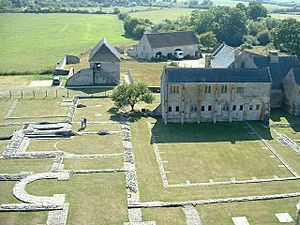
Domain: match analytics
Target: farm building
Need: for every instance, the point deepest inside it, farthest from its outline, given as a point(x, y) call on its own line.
point(158, 45)
point(104, 68)
point(191, 95)
point(225, 56)
point(292, 92)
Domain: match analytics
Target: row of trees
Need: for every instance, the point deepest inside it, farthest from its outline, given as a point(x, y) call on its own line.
point(249, 25)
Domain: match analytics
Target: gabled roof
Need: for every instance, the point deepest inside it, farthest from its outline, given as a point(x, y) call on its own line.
point(172, 39)
point(278, 70)
point(296, 73)
point(211, 75)
point(223, 56)
point(105, 47)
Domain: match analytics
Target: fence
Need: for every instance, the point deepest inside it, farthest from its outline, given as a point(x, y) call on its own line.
point(38, 93)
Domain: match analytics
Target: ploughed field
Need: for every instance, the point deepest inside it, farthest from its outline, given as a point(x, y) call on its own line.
point(30, 42)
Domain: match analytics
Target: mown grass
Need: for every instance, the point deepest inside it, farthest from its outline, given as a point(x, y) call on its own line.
point(97, 163)
point(91, 144)
point(163, 14)
point(150, 182)
point(97, 127)
point(25, 165)
point(99, 109)
point(33, 42)
point(94, 198)
point(7, 131)
point(260, 212)
point(165, 216)
point(146, 72)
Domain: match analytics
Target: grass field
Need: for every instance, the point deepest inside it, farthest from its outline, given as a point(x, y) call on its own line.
point(93, 198)
point(285, 16)
point(159, 15)
point(259, 213)
point(33, 41)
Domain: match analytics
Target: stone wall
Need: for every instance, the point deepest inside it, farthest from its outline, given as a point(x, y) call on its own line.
point(83, 77)
point(291, 95)
point(191, 104)
point(143, 50)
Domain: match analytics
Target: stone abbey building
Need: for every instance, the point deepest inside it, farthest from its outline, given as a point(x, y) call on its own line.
point(225, 56)
point(190, 95)
point(104, 69)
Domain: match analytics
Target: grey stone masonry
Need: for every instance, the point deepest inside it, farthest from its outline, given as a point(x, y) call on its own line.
point(276, 154)
point(58, 217)
point(12, 109)
point(12, 177)
point(141, 223)
point(158, 158)
point(29, 207)
point(20, 193)
point(191, 214)
point(16, 143)
point(72, 110)
point(98, 171)
point(287, 141)
point(212, 201)
point(31, 155)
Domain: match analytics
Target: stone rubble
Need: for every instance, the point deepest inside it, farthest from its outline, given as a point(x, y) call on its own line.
point(192, 215)
point(20, 193)
point(58, 217)
point(23, 207)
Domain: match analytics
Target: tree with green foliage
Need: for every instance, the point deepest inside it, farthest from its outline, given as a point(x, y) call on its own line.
point(130, 94)
point(135, 27)
point(264, 37)
point(256, 10)
point(208, 39)
point(286, 36)
point(228, 24)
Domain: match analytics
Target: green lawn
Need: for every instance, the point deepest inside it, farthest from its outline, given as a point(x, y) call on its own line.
point(97, 127)
point(6, 131)
point(150, 182)
point(91, 144)
point(30, 42)
point(220, 161)
point(25, 165)
point(165, 216)
point(97, 163)
point(159, 15)
point(2, 146)
point(146, 72)
point(98, 109)
point(38, 107)
point(94, 198)
point(259, 213)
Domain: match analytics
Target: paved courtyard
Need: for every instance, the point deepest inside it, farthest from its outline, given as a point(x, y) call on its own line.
point(139, 171)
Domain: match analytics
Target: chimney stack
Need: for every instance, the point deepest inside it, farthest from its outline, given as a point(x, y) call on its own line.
point(274, 57)
point(208, 58)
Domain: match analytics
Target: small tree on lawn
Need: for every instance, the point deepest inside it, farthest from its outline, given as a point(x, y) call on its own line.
point(130, 94)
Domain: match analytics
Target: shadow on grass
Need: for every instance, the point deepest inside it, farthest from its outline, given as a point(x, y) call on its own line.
point(115, 115)
point(278, 114)
point(96, 90)
point(207, 132)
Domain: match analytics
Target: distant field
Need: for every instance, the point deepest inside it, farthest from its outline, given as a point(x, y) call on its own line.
point(34, 41)
point(285, 16)
point(159, 15)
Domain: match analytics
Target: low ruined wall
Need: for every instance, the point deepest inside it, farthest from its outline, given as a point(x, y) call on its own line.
point(67, 59)
point(83, 77)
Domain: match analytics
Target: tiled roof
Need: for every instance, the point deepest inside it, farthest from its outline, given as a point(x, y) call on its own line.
point(104, 45)
point(296, 72)
point(172, 39)
point(211, 75)
point(223, 56)
point(278, 70)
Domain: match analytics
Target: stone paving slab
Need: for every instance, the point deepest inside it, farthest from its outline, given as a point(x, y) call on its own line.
point(240, 220)
point(29, 207)
point(284, 217)
point(58, 217)
point(192, 215)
